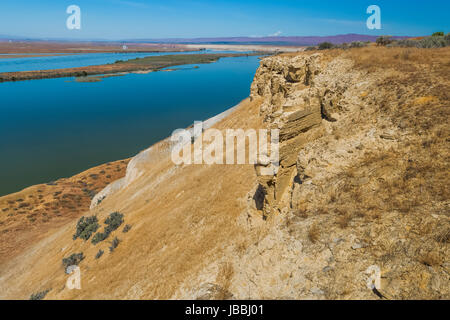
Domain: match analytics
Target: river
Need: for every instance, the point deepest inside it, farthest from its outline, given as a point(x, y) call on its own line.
point(55, 128)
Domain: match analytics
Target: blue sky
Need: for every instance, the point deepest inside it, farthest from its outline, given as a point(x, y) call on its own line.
point(125, 19)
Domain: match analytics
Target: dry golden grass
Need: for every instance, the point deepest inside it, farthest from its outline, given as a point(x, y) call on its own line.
point(224, 277)
point(400, 59)
point(415, 174)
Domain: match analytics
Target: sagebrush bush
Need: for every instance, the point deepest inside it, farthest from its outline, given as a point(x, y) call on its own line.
point(126, 228)
point(73, 259)
point(384, 40)
point(325, 45)
point(99, 254)
point(98, 237)
point(113, 222)
point(358, 44)
point(114, 244)
point(428, 42)
point(39, 295)
point(86, 227)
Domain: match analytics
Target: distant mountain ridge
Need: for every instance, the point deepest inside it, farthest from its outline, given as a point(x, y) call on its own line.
point(279, 40)
point(293, 40)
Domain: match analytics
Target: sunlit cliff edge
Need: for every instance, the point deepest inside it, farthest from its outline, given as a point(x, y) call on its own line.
point(362, 182)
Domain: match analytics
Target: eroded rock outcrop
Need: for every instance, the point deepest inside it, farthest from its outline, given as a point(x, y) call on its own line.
point(346, 195)
point(294, 104)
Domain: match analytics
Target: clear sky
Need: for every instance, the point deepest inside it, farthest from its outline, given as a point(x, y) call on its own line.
point(125, 19)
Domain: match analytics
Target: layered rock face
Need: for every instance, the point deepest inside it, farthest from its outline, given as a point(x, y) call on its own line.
point(294, 104)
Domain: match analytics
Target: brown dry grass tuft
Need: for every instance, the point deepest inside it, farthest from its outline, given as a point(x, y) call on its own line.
point(344, 219)
point(314, 233)
point(223, 279)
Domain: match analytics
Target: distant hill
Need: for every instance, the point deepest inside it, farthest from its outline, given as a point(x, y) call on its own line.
point(293, 41)
point(298, 41)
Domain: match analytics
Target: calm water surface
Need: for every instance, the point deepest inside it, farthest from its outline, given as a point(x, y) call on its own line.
point(55, 128)
point(77, 60)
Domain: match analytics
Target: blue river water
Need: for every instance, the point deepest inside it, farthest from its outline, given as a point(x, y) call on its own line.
point(55, 128)
point(77, 60)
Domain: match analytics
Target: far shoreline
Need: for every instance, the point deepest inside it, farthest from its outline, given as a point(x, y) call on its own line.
point(147, 64)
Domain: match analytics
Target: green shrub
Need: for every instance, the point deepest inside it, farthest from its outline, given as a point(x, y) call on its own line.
point(73, 259)
point(114, 244)
point(86, 227)
point(341, 46)
point(113, 222)
point(39, 295)
point(438, 34)
point(428, 42)
point(310, 48)
point(126, 228)
point(406, 43)
point(99, 254)
point(384, 40)
point(433, 42)
point(325, 45)
point(358, 44)
point(98, 237)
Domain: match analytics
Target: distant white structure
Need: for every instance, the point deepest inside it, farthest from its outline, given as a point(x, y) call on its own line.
point(124, 47)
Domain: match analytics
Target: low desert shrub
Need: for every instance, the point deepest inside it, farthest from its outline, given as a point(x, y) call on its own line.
point(438, 34)
point(114, 244)
point(73, 259)
point(126, 228)
point(358, 44)
point(384, 40)
point(86, 227)
point(113, 222)
point(39, 295)
point(325, 45)
point(425, 43)
point(99, 236)
point(99, 254)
